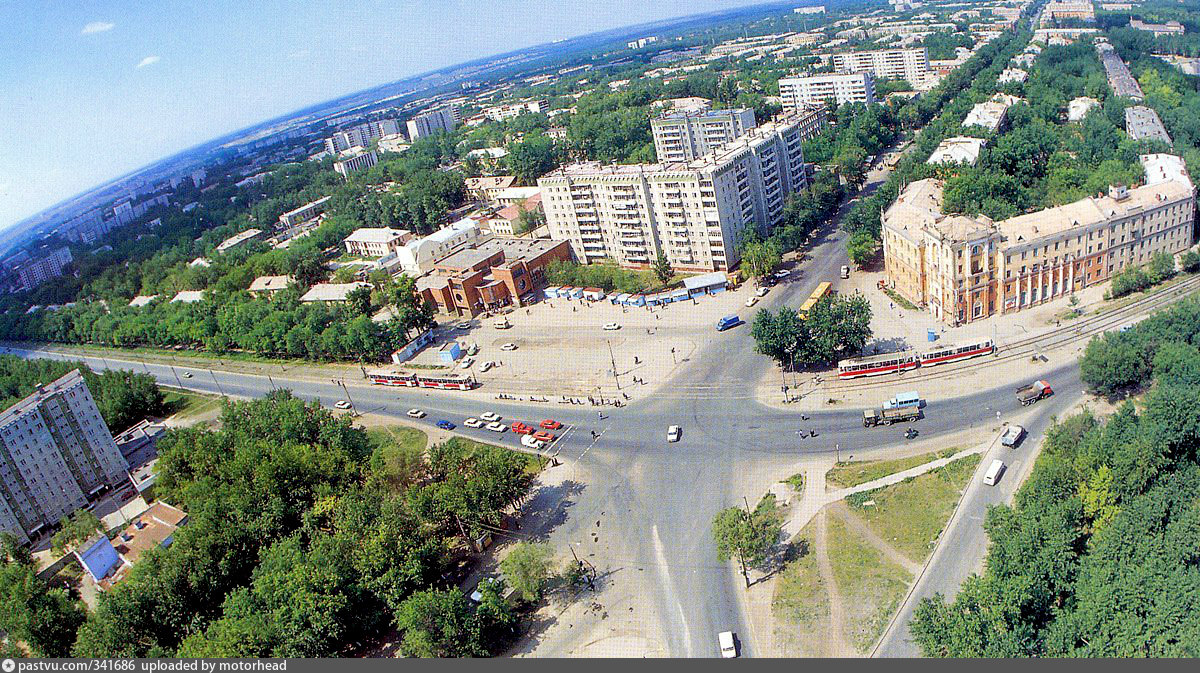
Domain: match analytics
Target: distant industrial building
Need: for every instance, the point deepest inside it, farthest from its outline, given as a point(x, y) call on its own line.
point(686, 135)
point(56, 454)
point(807, 90)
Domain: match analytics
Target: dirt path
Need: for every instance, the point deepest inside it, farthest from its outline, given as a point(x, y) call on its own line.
point(836, 645)
point(860, 527)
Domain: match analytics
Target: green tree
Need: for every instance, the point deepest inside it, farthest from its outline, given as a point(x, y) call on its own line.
point(439, 624)
point(662, 268)
point(1112, 363)
point(44, 619)
point(761, 258)
point(1161, 267)
point(532, 158)
point(527, 568)
point(79, 527)
point(358, 301)
point(778, 334)
point(837, 326)
point(862, 247)
point(748, 536)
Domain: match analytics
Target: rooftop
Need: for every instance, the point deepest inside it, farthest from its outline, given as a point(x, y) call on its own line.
point(331, 291)
point(142, 300)
point(70, 379)
point(377, 235)
point(188, 296)
point(514, 249)
point(270, 283)
point(492, 182)
point(238, 239)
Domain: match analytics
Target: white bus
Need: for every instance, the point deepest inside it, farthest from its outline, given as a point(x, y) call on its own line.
point(994, 471)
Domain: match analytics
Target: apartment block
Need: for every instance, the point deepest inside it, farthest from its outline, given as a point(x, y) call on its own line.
point(969, 268)
point(376, 241)
point(687, 134)
point(695, 213)
point(361, 135)
point(304, 213)
point(1143, 123)
point(56, 454)
point(354, 161)
point(429, 123)
point(502, 112)
point(807, 90)
point(906, 64)
point(31, 273)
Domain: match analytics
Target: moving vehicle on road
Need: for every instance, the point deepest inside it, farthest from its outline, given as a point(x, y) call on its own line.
point(994, 472)
point(823, 290)
point(490, 416)
point(497, 426)
point(1012, 436)
point(448, 381)
point(550, 424)
point(416, 413)
point(187, 375)
point(874, 417)
point(521, 428)
point(877, 365)
point(674, 432)
point(612, 327)
point(531, 442)
point(473, 423)
point(728, 644)
point(1033, 392)
point(342, 404)
point(728, 322)
point(445, 425)
point(510, 346)
point(951, 352)
point(909, 399)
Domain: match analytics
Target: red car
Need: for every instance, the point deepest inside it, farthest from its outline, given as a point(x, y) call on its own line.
point(543, 436)
point(551, 425)
point(521, 429)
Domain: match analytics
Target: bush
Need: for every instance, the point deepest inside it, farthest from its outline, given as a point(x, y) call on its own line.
point(1128, 282)
point(1189, 261)
point(1162, 268)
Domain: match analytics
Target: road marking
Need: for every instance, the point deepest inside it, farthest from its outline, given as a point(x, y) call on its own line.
point(589, 446)
point(660, 553)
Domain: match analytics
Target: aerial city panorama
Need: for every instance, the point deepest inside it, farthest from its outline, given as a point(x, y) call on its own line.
point(609, 329)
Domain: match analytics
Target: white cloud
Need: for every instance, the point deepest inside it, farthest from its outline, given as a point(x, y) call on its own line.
point(97, 27)
point(149, 60)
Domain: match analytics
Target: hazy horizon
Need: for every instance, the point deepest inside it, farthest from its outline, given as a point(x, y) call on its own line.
point(99, 91)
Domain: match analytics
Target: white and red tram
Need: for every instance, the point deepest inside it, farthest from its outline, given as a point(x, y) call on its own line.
point(890, 363)
point(388, 377)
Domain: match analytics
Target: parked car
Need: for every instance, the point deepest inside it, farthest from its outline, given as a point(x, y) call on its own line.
point(543, 436)
point(762, 291)
point(510, 346)
point(550, 424)
point(728, 643)
point(502, 324)
point(473, 423)
point(342, 404)
point(612, 326)
point(416, 413)
point(521, 428)
point(445, 425)
point(782, 273)
point(751, 301)
point(674, 433)
point(466, 362)
point(490, 416)
point(497, 426)
point(473, 349)
point(486, 365)
point(531, 442)
point(463, 326)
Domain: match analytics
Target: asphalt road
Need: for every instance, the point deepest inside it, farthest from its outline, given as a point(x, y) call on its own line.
point(659, 498)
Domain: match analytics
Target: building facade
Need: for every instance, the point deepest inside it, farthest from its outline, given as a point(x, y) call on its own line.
point(695, 213)
point(354, 161)
point(56, 454)
point(491, 274)
point(686, 135)
point(361, 135)
point(969, 268)
point(376, 241)
point(808, 90)
point(911, 65)
point(429, 123)
point(34, 272)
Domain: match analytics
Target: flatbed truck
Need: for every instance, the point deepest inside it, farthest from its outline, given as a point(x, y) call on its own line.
point(873, 417)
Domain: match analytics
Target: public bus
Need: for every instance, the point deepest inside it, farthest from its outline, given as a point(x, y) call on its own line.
point(823, 290)
point(390, 377)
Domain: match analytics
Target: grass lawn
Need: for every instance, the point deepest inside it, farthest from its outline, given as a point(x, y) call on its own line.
point(846, 474)
point(911, 514)
point(796, 481)
point(901, 301)
point(399, 436)
point(870, 585)
point(186, 405)
point(801, 599)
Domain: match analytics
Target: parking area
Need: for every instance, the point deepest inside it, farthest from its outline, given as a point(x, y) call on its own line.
point(569, 346)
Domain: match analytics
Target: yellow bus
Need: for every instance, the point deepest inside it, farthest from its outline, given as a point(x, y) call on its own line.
point(818, 294)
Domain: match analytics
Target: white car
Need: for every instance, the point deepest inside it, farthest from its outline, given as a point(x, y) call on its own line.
point(782, 273)
point(497, 427)
point(508, 347)
point(486, 365)
point(845, 271)
point(466, 362)
point(187, 375)
point(762, 291)
point(612, 326)
point(490, 416)
point(416, 413)
point(502, 324)
point(751, 301)
point(463, 326)
point(674, 433)
point(473, 423)
point(529, 441)
point(728, 644)
point(342, 404)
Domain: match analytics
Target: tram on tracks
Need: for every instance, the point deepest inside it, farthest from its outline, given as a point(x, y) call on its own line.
point(890, 363)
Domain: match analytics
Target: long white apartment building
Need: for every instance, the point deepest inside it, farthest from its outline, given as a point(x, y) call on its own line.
point(807, 90)
point(906, 64)
point(56, 454)
point(429, 123)
point(361, 135)
point(687, 134)
point(695, 212)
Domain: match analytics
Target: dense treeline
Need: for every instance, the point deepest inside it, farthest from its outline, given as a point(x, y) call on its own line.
point(123, 397)
point(303, 539)
point(1098, 555)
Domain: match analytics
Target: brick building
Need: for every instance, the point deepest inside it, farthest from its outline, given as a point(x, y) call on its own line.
point(491, 274)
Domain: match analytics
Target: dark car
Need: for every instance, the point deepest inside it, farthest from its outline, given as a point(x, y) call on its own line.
point(445, 425)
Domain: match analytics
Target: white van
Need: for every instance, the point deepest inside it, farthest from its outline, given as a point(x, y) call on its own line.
point(728, 646)
point(994, 471)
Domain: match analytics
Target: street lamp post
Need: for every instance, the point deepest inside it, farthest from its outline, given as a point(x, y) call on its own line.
point(614, 363)
point(176, 376)
point(214, 378)
point(349, 399)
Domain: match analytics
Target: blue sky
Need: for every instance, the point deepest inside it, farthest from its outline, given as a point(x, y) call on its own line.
point(91, 90)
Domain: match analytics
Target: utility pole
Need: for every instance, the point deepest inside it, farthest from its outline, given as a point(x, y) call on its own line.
point(214, 378)
point(177, 377)
point(614, 363)
point(348, 398)
point(272, 382)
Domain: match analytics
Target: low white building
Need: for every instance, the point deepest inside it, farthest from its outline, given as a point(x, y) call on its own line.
point(418, 255)
point(238, 239)
point(1080, 107)
point(142, 300)
point(331, 292)
point(957, 150)
point(1012, 75)
point(375, 241)
point(188, 297)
